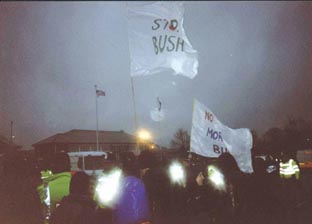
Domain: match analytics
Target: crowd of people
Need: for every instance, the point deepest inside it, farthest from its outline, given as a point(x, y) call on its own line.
point(209, 191)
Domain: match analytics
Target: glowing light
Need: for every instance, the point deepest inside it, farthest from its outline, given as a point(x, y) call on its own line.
point(45, 174)
point(176, 173)
point(144, 135)
point(47, 200)
point(108, 188)
point(216, 177)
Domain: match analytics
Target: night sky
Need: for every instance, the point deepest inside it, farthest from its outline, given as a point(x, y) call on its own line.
point(255, 68)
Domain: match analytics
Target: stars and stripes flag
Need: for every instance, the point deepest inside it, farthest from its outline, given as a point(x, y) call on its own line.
point(99, 93)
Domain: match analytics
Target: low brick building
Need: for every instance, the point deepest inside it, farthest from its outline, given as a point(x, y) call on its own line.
point(85, 140)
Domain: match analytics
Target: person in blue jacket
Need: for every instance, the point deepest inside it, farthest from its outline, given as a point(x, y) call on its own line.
point(132, 206)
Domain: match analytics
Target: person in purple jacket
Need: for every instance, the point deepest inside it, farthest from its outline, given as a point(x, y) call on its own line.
point(132, 206)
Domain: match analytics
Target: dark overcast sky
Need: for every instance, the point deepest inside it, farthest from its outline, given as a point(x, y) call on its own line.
point(255, 68)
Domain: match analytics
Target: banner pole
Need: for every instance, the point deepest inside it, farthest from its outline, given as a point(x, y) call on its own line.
point(135, 118)
point(12, 131)
point(134, 106)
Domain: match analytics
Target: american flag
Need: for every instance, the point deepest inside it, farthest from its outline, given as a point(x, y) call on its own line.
point(99, 93)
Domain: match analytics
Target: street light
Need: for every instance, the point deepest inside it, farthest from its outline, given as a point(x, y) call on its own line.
point(144, 135)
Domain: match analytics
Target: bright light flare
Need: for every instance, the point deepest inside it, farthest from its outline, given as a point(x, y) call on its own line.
point(45, 174)
point(176, 172)
point(47, 200)
point(144, 135)
point(108, 188)
point(216, 177)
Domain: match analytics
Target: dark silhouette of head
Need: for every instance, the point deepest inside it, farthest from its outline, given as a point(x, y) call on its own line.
point(129, 164)
point(259, 166)
point(60, 162)
point(15, 165)
point(227, 163)
point(80, 184)
point(147, 159)
point(285, 157)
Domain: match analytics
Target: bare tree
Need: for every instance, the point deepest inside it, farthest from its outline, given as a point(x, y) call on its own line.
point(296, 134)
point(181, 140)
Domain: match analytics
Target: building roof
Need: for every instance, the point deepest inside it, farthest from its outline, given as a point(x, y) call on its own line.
point(78, 136)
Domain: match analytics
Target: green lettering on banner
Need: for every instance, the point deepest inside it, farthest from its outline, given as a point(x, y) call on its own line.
point(171, 42)
point(155, 45)
point(161, 45)
point(173, 25)
point(165, 43)
point(180, 42)
point(157, 24)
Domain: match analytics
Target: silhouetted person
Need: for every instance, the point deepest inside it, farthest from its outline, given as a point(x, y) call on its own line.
point(54, 186)
point(147, 165)
point(155, 176)
point(290, 188)
point(19, 201)
point(235, 182)
point(202, 204)
point(262, 201)
point(78, 207)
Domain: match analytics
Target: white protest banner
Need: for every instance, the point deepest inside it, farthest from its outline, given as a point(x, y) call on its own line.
point(157, 41)
point(211, 138)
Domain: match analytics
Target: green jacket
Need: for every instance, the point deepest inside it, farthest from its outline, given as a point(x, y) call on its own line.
point(58, 187)
point(289, 169)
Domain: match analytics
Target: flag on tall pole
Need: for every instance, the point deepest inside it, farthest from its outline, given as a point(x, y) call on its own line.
point(98, 93)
